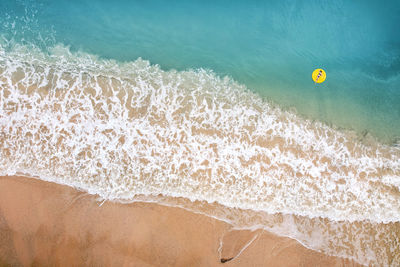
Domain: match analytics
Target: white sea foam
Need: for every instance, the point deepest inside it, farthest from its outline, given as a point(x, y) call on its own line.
point(126, 129)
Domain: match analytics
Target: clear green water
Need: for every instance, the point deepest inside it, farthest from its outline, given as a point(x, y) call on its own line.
point(270, 46)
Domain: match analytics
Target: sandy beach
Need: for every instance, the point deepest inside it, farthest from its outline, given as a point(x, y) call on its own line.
point(46, 224)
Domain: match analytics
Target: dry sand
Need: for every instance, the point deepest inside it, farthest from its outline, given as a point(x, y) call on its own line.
point(45, 224)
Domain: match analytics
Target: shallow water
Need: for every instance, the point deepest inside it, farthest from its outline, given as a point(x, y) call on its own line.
point(270, 46)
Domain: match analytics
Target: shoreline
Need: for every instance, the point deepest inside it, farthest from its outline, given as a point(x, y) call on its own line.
point(45, 223)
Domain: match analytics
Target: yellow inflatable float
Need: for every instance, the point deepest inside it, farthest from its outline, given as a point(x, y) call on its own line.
point(319, 75)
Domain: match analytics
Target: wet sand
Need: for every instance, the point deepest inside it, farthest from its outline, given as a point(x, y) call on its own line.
point(46, 224)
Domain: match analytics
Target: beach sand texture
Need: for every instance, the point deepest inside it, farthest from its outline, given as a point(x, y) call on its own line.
point(45, 224)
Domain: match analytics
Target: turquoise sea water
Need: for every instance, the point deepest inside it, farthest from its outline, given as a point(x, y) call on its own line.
point(270, 46)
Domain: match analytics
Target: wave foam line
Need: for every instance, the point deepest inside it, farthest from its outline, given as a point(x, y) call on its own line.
point(126, 129)
point(364, 242)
